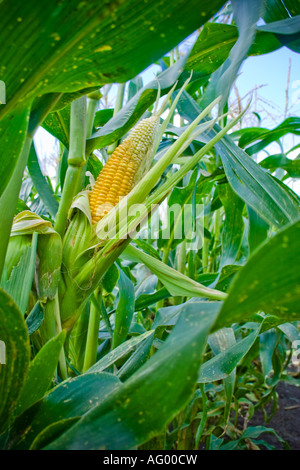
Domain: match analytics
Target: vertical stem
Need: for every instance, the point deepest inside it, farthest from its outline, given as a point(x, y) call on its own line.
point(118, 107)
point(166, 251)
point(62, 359)
point(51, 327)
point(216, 240)
point(9, 199)
point(92, 101)
point(181, 265)
point(92, 335)
point(76, 161)
point(205, 245)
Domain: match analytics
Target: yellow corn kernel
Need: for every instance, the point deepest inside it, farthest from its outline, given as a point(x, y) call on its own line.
point(123, 169)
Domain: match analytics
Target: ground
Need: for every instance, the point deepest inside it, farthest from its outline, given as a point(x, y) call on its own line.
point(286, 420)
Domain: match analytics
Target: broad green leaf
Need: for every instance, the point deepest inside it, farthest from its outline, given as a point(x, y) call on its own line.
point(110, 278)
point(257, 230)
point(269, 281)
point(57, 124)
point(145, 404)
point(94, 166)
point(250, 433)
point(127, 117)
point(35, 318)
point(223, 363)
point(13, 129)
point(120, 351)
point(125, 309)
point(15, 354)
point(40, 373)
point(71, 399)
point(174, 281)
point(180, 208)
point(287, 30)
point(219, 342)
point(264, 137)
point(71, 46)
point(245, 15)
point(275, 10)
point(292, 7)
point(40, 183)
point(136, 360)
point(214, 43)
point(134, 86)
point(256, 187)
point(67, 56)
point(284, 26)
point(102, 117)
point(51, 432)
point(145, 300)
point(233, 227)
point(19, 283)
point(267, 344)
point(252, 184)
point(292, 167)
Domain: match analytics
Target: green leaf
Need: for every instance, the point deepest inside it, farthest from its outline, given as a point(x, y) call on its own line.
point(19, 284)
point(292, 167)
point(128, 116)
point(35, 318)
point(245, 15)
point(110, 278)
point(94, 166)
point(233, 227)
point(125, 309)
point(16, 351)
point(214, 44)
point(134, 86)
point(264, 137)
point(285, 26)
point(253, 185)
point(257, 231)
point(71, 46)
point(51, 432)
point(120, 351)
point(269, 281)
point(256, 187)
point(145, 300)
point(40, 183)
point(13, 129)
point(223, 363)
point(71, 399)
point(102, 117)
point(131, 415)
point(40, 373)
point(57, 124)
point(175, 282)
point(219, 342)
point(137, 359)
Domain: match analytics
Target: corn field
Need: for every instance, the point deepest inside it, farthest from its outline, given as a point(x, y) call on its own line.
point(150, 283)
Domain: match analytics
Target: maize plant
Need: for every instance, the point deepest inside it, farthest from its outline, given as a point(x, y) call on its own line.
point(143, 304)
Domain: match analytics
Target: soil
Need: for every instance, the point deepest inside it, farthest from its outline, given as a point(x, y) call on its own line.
point(286, 420)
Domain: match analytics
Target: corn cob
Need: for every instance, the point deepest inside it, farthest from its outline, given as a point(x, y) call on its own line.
point(123, 169)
